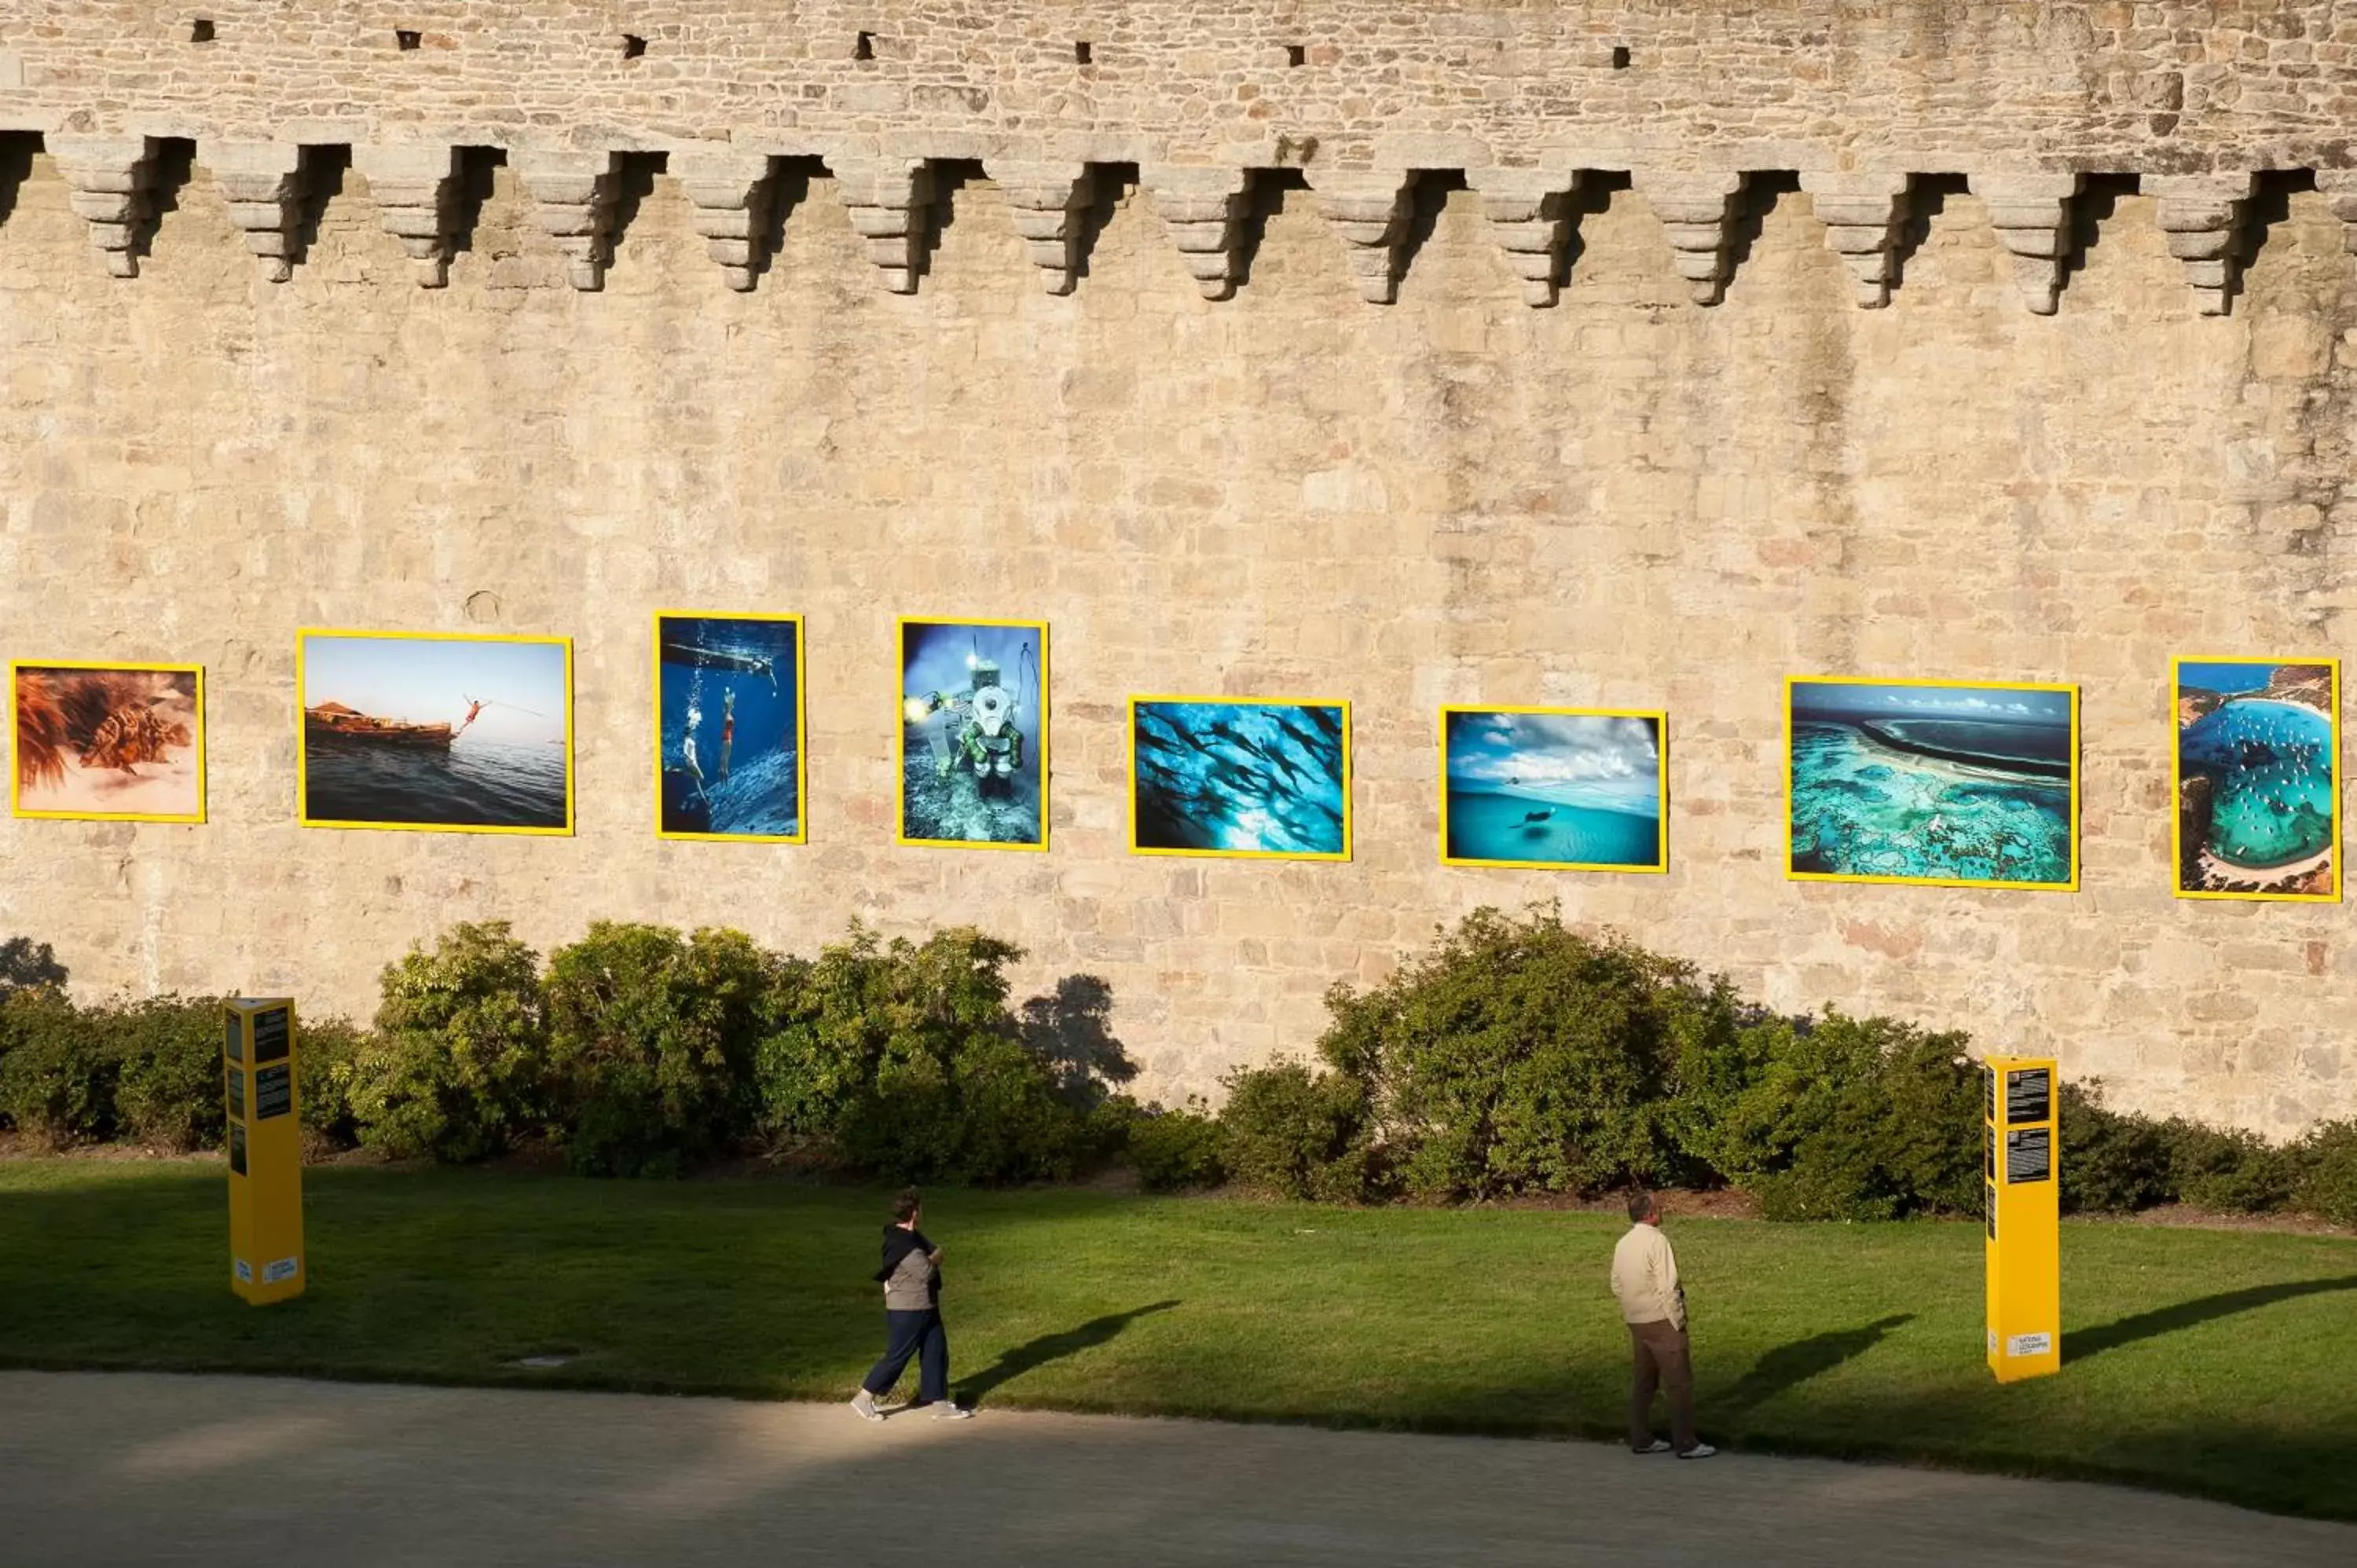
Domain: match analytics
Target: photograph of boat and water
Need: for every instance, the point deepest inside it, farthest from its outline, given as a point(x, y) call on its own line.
point(439, 731)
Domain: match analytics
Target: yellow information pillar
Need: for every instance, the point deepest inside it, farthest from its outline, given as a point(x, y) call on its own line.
point(265, 1149)
point(2025, 1211)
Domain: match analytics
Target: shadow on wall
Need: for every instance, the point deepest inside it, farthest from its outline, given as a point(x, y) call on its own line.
point(1072, 1030)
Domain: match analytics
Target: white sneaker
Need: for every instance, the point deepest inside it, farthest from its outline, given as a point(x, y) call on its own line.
point(1657, 1446)
point(1699, 1451)
point(945, 1410)
point(863, 1405)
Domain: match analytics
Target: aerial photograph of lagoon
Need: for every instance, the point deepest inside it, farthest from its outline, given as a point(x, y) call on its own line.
point(2258, 778)
point(1966, 784)
point(1553, 789)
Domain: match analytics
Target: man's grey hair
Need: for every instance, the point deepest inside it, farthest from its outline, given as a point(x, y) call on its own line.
point(1640, 1205)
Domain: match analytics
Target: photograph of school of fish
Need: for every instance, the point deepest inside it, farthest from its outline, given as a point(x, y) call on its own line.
point(1960, 784)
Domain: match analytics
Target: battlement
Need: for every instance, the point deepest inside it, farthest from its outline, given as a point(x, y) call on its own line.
point(1528, 104)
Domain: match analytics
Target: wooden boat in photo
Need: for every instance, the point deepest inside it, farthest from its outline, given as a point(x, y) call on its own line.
point(334, 718)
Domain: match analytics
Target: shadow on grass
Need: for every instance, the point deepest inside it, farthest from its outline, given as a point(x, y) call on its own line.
point(2162, 1320)
point(1789, 1366)
point(1037, 1353)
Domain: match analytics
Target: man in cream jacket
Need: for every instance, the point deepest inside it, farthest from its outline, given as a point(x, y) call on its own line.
point(1653, 1304)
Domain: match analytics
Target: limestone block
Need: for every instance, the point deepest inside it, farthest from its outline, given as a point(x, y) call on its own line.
point(730, 193)
point(110, 180)
point(1046, 199)
point(1529, 211)
point(2202, 216)
point(2031, 215)
point(2339, 189)
point(1204, 207)
point(416, 189)
point(1864, 214)
point(1697, 211)
point(1369, 208)
point(262, 184)
point(887, 199)
point(573, 196)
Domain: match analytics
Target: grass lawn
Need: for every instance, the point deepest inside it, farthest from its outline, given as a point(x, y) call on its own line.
point(2200, 1362)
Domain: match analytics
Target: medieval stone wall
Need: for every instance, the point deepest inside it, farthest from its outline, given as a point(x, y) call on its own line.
point(1225, 366)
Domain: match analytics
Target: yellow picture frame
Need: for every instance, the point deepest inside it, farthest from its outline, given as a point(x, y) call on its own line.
point(304, 637)
point(1658, 717)
point(1340, 707)
point(2070, 692)
point(900, 834)
point(17, 740)
point(802, 724)
point(2177, 730)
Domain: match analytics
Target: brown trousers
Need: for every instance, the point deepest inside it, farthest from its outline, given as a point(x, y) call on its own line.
point(1659, 1349)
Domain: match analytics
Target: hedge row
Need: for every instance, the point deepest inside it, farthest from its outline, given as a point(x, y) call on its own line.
point(1516, 1057)
point(641, 1050)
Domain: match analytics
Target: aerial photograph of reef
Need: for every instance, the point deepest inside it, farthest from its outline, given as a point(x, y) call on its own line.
point(1963, 784)
point(2258, 778)
point(1558, 789)
point(1241, 777)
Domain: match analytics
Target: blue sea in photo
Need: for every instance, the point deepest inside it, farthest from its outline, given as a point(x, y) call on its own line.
point(2255, 751)
point(452, 732)
point(1570, 789)
point(730, 726)
point(1240, 778)
point(1934, 783)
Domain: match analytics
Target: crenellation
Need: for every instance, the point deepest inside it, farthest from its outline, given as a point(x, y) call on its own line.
point(574, 195)
point(1369, 209)
point(111, 178)
point(262, 184)
point(416, 189)
point(731, 191)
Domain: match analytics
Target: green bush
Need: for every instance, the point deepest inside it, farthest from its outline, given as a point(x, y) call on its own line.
point(58, 1073)
point(651, 1040)
point(2228, 1169)
point(2113, 1162)
point(1174, 1150)
point(902, 1060)
point(457, 1069)
point(1519, 1056)
point(170, 1090)
point(1293, 1132)
point(329, 1054)
point(2328, 1186)
point(1857, 1118)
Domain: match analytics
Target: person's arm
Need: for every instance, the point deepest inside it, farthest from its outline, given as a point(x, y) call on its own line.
point(1673, 1289)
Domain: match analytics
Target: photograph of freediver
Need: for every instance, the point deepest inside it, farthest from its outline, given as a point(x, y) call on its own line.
point(1223, 776)
point(974, 734)
point(728, 727)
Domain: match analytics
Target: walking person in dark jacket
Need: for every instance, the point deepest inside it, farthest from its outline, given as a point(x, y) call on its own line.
point(911, 1278)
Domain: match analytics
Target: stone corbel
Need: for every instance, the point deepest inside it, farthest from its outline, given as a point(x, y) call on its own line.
point(573, 195)
point(1205, 209)
point(1698, 212)
point(1865, 215)
point(1530, 215)
point(2202, 216)
point(1047, 200)
point(1369, 208)
point(730, 193)
point(2031, 215)
point(887, 200)
point(262, 184)
point(109, 181)
point(416, 189)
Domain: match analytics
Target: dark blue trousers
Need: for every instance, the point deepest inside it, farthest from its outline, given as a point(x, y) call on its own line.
point(918, 1334)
